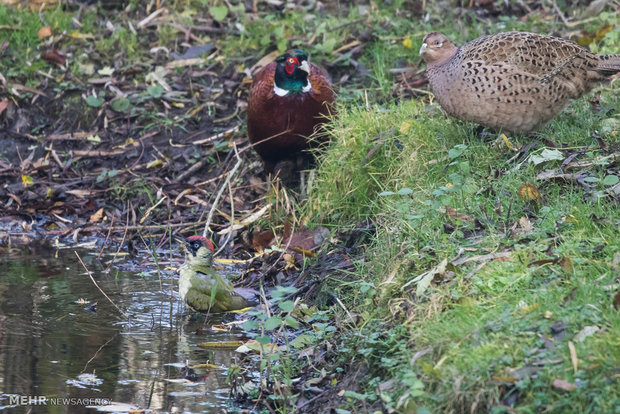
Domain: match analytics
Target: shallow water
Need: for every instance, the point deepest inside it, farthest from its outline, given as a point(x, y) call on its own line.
point(53, 343)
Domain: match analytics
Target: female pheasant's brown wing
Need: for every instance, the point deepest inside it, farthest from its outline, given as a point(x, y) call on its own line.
point(530, 52)
point(537, 58)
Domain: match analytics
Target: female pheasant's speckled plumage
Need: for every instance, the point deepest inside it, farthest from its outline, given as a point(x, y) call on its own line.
point(515, 81)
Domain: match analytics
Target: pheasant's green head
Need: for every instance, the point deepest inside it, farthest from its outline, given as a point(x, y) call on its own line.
point(292, 73)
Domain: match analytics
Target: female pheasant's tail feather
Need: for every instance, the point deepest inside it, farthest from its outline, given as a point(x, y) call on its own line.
point(608, 64)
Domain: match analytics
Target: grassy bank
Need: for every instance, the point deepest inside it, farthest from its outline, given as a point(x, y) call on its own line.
point(472, 297)
point(489, 286)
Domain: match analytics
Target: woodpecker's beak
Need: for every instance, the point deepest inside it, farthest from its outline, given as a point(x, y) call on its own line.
point(305, 66)
point(182, 244)
point(423, 48)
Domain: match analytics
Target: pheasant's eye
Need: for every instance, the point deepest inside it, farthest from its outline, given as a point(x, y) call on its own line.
point(291, 63)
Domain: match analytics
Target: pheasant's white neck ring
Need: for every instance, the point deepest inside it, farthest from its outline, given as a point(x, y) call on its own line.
point(279, 91)
point(283, 92)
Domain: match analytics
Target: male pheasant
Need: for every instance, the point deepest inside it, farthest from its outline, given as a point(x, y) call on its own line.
point(514, 81)
point(289, 98)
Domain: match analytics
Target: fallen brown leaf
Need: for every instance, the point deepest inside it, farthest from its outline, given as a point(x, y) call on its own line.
point(573, 356)
point(564, 385)
point(264, 61)
point(221, 345)
point(54, 56)
point(453, 214)
point(526, 225)
point(44, 32)
point(566, 264)
point(97, 216)
point(529, 192)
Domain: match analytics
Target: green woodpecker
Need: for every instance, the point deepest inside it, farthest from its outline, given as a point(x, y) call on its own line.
point(200, 286)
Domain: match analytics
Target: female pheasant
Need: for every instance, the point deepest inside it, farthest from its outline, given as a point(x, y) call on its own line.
point(289, 98)
point(513, 81)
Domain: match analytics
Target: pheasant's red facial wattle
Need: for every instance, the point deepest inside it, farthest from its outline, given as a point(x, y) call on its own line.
point(291, 63)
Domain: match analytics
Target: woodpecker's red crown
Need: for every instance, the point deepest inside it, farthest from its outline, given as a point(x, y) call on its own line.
point(195, 242)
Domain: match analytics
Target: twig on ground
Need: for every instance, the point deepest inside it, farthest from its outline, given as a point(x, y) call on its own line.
point(231, 173)
point(232, 219)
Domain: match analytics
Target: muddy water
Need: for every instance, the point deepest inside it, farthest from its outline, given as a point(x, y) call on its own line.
point(55, 343)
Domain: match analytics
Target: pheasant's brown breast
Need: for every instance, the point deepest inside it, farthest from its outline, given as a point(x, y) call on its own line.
point(278, 126)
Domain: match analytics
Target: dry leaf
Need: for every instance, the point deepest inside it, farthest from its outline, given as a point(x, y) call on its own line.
point(264, 61)
point(529, 192)
point(573, 356)
point(255, 346)
point(54, 57)
point(221, 345)
point(508, 144)
point(586, 332)
point(453, 214)
point(526, 225)
point(204, 366)
point(44, 32)
point(97, 216)
point(83, 193)
point(594, 8)
point(564, 385)
point(566, 264)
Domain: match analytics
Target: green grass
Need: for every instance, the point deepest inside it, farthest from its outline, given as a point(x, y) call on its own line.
point(500, 329)
point(485, 327)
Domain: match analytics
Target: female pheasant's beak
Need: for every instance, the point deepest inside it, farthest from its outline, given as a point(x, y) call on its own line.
point(305, 66)
point(423, 48)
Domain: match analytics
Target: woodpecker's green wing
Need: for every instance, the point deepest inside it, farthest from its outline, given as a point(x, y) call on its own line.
point(211, 292)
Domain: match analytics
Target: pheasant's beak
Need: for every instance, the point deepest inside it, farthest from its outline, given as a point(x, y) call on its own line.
point(305, 66)
point(423, 48)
